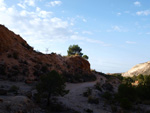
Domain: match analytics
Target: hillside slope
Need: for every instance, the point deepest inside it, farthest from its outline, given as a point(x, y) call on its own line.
point(143, 68)
point(19, 62)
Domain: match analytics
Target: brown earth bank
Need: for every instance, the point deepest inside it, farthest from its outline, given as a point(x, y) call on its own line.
point(20, 62)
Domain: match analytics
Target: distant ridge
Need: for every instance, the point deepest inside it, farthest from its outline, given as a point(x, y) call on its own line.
point(143, 68)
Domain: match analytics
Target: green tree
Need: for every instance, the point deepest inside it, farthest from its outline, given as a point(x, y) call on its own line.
point(85, 57)
point(51, 84)
point(147, 80)
point(140, 79)
point(127, 80)
point(125, 103)
point(74, 50)
point(128, 91)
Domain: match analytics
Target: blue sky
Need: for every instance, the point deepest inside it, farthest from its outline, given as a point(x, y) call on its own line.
point(115, 34)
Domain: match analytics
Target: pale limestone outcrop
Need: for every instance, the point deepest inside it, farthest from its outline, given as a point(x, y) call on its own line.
point(143, 68)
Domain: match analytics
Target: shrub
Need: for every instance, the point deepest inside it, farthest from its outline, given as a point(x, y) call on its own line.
point(114, 108)
point(147, 80)
point(14, 89)
point(37, 97)
point(56, 107)
point(146, 102)
point(3, 92)
point(107, 95)
point(77, 78)
point(140, 79)
point(9, 55)
point(125, 103)
point(98, 86)
point(128, 91)
point(89, 77)
point(15, 55)
point(2, 69)
point(85, 57)
point(118, 75)
point(107, 87)
point(26, 46)
point(93, 100)
point(127, 80)
point(44, 69)
point(88, 110)
point(51, 84)
point(143, 92)
point(87, 93)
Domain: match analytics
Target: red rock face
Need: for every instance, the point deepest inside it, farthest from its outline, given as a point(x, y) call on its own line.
point(78, 64)
point(19, 61)
point(9, 40)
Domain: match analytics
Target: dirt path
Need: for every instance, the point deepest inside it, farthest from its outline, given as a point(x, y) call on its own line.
point(75, 99)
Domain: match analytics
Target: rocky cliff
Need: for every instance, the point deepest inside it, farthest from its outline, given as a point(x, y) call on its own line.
point(143, 68)
point(18, 61)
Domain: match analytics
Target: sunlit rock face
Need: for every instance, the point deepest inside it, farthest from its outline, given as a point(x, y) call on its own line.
point(143, 68)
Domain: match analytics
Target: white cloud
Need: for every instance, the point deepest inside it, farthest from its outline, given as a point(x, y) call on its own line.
point(118, 14)
point(85, 39)
point(37, 25)
point(87, 32)
point(40, 27)
point(84, 20)
point(30, 2)
point(130, 42)
point(116, 28)
point(80, 18)
point(137, 3)
point(55, 3)
point(23, 13)
point(43, 14)
point(2, 5)
point(21, 5)
point(25, 3)
point(77, 18)
point(94, 41)
point(145, 13)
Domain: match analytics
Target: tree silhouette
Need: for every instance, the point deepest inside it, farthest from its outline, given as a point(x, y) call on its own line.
point(74, 50)
point(51, 84)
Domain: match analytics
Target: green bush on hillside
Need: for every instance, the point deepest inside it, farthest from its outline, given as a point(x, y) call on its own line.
point(128, 94)
point(85, 57)
point(87, 93)
point(98, 86)
point(125, 103)
point(93, 100)
point(51, 84)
